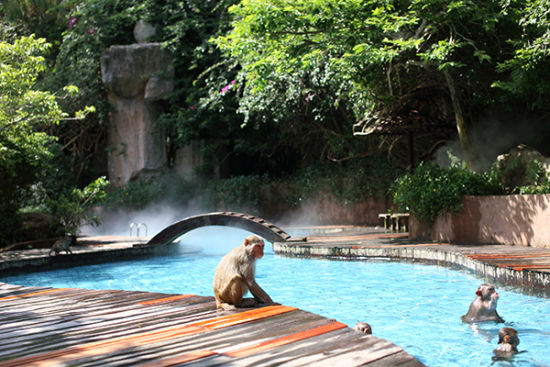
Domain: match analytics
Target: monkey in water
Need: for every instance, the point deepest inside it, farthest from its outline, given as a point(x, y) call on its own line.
point(363, 327)
point(235, 275)
point(507, 343)
point(484, 306)
point(63, 244)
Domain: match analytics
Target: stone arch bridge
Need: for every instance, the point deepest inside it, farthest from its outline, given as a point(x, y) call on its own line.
point(256, 225)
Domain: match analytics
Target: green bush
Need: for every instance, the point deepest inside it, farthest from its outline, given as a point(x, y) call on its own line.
point(72, 209)
point(430, 189)
point(139, 193)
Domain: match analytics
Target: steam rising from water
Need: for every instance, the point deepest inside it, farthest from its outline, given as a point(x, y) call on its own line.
point(156, 217)
point(495, 133)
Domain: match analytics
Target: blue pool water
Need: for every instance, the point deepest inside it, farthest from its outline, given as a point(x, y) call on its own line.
point(417, 307)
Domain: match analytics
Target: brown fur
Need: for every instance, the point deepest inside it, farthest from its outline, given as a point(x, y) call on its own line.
point(484, 306)
point(63, 244)
point(508, 341)
point(235, 275)
point(363, 327)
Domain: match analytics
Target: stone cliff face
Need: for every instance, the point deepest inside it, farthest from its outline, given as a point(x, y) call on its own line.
point(137, 77)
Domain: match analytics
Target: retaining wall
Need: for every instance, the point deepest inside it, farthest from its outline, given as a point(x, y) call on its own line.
point(521, 220)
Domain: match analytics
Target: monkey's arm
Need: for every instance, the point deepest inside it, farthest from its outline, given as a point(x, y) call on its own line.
point(258, 292)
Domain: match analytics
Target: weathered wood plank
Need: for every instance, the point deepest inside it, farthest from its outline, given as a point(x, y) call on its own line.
point(117, 328)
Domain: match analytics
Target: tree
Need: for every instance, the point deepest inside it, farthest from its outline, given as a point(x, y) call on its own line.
point(25, 111)
point(389, 57)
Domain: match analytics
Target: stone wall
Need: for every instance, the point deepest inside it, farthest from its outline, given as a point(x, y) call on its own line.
point(329, 211)
point(522, 220)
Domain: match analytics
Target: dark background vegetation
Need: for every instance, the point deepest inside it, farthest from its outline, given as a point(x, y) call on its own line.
point(286, 121)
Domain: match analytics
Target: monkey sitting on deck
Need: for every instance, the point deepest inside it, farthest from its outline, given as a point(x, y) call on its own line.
point(63, 244)
point(484, 306)
point(507, 344)
point(235, 275)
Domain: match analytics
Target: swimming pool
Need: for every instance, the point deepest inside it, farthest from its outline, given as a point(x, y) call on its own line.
point(417, 307)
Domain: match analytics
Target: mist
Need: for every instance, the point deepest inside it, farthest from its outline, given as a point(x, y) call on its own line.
point(495, 133)
point(152, 219)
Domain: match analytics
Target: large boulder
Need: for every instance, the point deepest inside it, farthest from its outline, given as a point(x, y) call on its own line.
point(513, 165)
point(127, 71)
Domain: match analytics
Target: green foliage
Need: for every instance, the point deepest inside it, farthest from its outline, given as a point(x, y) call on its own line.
point(23, 112)
point(353, 182)
point(518, 177)
point(90, 27)
point(431, 190)
point(140, 193)
point(72, 209)
point(537, 178)
point(26, 150)
point(41, 17)
point(373, 49)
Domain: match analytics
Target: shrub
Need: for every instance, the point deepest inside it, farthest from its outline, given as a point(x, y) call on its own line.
point(139, 193)
point(72, 208)
point(430, 189)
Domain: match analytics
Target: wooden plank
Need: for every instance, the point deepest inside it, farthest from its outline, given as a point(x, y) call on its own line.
point(248, 350)
point(107, 346)
point(29, 294)
point(117, 328)
point(507, 256)
point(165, 299)
point(285, 340)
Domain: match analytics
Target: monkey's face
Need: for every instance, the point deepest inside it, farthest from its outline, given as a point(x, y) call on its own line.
point(258, 249)
point(487, 292)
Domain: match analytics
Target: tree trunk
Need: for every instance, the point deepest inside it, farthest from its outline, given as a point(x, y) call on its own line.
point(464, 133)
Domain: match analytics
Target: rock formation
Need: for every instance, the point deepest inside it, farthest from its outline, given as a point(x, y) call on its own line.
point(136, 76)
point(513, 165)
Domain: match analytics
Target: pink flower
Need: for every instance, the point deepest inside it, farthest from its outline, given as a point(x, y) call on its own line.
point(89, 31)
point(193, 108)
point(72, 22)
point(227, 87)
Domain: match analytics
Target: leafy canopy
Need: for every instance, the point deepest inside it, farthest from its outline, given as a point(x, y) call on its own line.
point(24, 110)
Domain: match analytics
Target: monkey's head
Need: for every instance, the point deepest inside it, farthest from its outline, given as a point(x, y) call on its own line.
point(487, 292)
point(508, 335)
point(255, 246)
point(363, 327)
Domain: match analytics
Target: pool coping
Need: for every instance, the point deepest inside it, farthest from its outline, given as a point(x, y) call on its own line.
point(392, 246)
point(447, 254)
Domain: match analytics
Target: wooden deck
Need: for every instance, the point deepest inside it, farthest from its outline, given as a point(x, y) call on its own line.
point(69, 327)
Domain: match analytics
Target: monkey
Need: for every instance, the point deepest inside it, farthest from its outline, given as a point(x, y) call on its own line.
point(363, 327)
point(507, 343)
point(63, 244)
point(484, 306)
point(235, 275)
